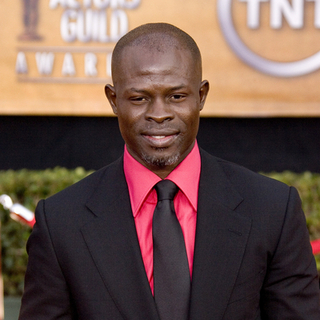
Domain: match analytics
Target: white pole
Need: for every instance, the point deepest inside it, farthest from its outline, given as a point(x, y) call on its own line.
point(1, 288)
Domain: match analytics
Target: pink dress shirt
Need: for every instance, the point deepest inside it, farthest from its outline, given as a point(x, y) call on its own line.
point(143, 199)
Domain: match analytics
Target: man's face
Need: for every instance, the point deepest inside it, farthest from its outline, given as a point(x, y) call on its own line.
point(157, 97)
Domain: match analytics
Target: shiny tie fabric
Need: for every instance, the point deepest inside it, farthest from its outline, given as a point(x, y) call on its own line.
point(171, 273)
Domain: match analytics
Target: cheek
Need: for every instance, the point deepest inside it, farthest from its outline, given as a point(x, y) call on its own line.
point(129, 127)
point(124, 126)
point(190, 123)
point(129, 116)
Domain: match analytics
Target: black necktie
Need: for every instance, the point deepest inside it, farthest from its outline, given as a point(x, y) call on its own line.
point(171, 273)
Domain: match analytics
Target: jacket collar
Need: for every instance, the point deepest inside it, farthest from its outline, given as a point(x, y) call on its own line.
point(112, 241)
point(221, 238)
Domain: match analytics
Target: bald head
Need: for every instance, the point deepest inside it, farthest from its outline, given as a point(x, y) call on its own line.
point(157, 94)
point(158, 38)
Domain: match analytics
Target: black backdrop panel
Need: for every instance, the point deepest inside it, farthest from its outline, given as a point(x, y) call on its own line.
point(263, 144)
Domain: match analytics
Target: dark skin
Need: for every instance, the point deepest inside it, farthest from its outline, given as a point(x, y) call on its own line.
point(157, 97)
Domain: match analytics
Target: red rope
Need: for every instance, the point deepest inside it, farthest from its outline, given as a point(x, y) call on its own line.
point(315, 244)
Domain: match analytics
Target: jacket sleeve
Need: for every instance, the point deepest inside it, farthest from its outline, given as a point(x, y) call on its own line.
point(291, 289)
point(46, 293)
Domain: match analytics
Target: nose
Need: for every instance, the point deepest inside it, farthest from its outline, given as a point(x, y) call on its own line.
point(159, 111)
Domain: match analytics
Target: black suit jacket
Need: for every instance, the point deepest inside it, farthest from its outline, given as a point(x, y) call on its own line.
point(252, 255)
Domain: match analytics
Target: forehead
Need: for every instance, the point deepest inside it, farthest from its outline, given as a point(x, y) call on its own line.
point(145, 62)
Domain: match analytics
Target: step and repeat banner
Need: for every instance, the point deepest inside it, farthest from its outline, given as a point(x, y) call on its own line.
point(261, 57)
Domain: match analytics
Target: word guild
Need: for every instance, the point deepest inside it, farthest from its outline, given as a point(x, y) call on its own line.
point(90, 22)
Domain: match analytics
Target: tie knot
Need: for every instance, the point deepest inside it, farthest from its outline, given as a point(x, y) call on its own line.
point(166, 190)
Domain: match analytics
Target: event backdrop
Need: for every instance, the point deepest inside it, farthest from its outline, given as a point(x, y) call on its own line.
point(261, 57)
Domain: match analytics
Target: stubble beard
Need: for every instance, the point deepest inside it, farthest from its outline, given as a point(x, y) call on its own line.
point(161, 161)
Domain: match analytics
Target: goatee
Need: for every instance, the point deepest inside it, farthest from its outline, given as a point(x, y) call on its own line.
point(160, 161)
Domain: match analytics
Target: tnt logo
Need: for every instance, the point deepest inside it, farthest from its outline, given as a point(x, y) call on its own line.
point(288, 22)
point(293, 12)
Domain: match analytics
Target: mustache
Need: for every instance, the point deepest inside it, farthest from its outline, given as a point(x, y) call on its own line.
point(160, 127)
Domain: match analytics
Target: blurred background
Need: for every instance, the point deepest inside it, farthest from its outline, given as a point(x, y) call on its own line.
point(56, 126)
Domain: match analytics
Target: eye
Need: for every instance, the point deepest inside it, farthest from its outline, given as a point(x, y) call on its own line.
point(138, 99)
point(178, 97)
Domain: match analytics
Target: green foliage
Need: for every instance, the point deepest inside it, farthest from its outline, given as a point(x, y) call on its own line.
point(28, 187)
point(308, 185)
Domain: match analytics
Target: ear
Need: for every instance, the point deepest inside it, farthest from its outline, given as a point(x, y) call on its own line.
point(112, 97)
point(203, 92)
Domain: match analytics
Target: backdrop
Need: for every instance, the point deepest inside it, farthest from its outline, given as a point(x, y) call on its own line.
point(261, 57)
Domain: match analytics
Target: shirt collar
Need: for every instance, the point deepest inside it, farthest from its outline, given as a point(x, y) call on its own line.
point(141, 180)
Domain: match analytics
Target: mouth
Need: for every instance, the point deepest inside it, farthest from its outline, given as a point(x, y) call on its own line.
point(160, 141)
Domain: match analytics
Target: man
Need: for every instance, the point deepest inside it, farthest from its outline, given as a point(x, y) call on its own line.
point(94, 251)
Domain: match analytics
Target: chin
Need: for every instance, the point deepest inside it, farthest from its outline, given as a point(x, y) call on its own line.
point(161, 161)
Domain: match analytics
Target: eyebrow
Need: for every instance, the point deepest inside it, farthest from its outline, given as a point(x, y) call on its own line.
point(179, 87)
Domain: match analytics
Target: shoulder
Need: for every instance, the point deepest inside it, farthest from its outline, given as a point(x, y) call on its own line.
point(255, 189)
point(230, 169)
point(76, 196)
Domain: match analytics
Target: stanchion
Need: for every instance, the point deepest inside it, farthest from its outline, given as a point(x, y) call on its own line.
point(17, 211)
point(1, 285)
point(21, 214)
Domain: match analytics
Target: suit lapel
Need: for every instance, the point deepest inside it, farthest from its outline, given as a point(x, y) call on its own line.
point(221, 239)
point(112, 241)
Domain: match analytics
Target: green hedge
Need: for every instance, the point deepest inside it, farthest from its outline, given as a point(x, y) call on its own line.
point(308, 185)
point(28, 187)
